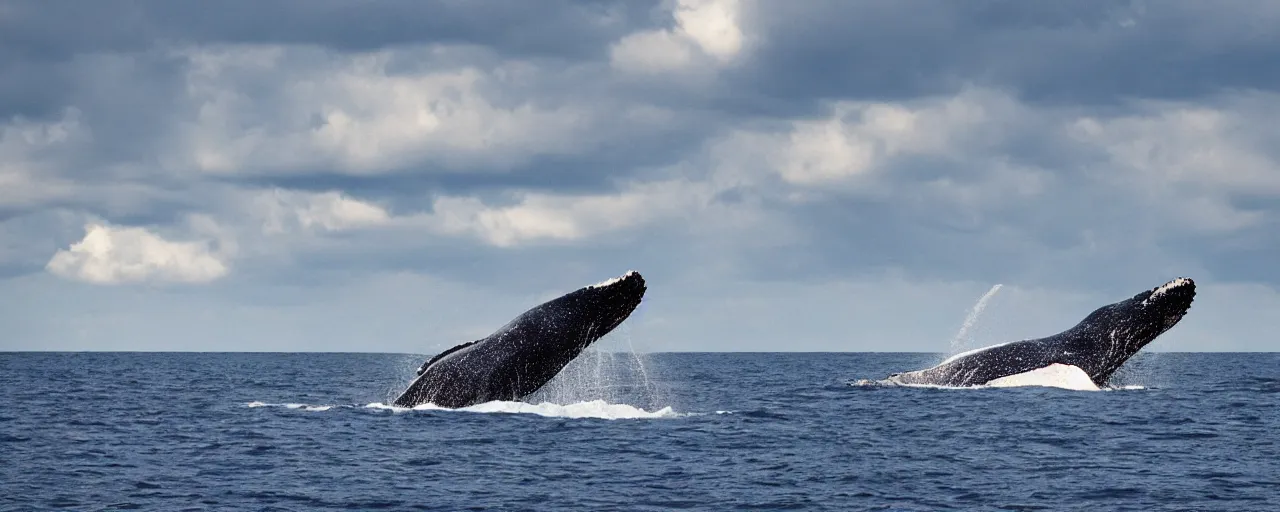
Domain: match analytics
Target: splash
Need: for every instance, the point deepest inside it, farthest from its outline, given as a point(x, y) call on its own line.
point(593, 409)
point(1141, 368)
point(598, 383)
point(612, 370)
point(972, 319)
point(599, 409)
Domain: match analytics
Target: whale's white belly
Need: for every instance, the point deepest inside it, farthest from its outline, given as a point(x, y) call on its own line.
point(1055, 375)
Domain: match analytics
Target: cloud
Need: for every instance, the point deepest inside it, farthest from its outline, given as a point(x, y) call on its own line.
point(288, 210)
point(1195, 156)
point(354, 114)
point(705, 31)
point(983, 183)
point(553, 28)
point(1085, 53)
point(932, 151)
point(26, 147)
point(536, 217)
point(860, 137)
point(118, 255)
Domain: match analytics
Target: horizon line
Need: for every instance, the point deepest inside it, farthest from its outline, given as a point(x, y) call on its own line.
point(614, 351)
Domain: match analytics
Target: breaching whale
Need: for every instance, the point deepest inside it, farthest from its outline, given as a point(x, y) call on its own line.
point(522, 356)
point(1098, 345)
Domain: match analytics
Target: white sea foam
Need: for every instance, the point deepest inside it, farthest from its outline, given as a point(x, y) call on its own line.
point(304, 407)
point(590, 409)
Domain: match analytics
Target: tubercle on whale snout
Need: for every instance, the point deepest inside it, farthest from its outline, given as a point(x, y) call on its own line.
point(631, 276)
point(1177, 294)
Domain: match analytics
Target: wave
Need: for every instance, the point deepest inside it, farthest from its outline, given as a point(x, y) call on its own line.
point(304, 407)
point(599, 409)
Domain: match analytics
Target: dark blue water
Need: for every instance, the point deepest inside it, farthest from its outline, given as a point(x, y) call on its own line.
point(114, 431)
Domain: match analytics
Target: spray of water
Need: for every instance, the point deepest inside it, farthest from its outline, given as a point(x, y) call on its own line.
point(611, 370)
point(406, 369)
point(958, 342)
point(636, 356)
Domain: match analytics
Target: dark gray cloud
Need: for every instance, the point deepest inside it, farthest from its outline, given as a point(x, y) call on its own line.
point(558, 28)
point(44, 45)
point(1064, 53)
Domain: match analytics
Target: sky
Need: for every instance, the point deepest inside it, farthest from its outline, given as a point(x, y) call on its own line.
point(403, 176)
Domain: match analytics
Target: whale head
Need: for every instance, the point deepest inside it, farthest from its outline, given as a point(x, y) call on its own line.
point(1118, 331)
point(568, 324)
point(1166, 304)
point(597, 309)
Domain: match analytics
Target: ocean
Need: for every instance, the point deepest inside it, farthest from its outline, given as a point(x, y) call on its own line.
point(619, 431)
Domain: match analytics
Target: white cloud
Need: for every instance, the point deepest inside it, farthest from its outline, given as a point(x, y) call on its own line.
point(360, 115)
point(553, 217)
point(115, 255)
point(713, 25)
point(286, 210)
point(858, 138)
point(1188, 160)
point(1179, 166)
point(654, 50)
point(705, 31)
point(1195, 144)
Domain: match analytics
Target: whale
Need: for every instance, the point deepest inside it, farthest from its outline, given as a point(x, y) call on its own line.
point(1096, 346)
point(523, 355)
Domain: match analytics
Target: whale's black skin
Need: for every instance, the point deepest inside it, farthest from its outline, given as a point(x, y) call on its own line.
point(1099, 344)
point(529, 351)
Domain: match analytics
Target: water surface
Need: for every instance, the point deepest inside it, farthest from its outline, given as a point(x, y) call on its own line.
point(196, 431)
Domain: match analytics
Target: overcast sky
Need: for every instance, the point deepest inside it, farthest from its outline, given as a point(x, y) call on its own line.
point(819, 175)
